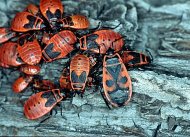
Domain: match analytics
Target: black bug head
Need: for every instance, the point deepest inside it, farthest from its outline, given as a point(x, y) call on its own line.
point(110, 51)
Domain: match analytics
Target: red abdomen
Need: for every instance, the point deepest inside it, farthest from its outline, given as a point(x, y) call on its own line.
point(41, 103)
point(9, 55)
point(30, 51)
point(79, 70)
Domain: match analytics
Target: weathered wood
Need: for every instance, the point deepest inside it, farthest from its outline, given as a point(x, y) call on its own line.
point(161, 91)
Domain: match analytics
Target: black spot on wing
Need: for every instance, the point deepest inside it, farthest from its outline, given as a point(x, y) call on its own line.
point(82, 77)
point(49, 15)
point(78, 79)
point(50, 102)
point(32, 20)
point(48, 50)
point(123, 80)
point(50, 98)
point(109, 83)
point(74, 77)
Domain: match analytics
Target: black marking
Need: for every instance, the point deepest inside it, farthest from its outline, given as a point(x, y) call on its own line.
point(50, 98)
point(109, 83)
point(114, 71)
point(92, 37)
point(91, 43)
point(50, 102)
point(123, 80)
point(119, 96)
point(32, 20)
point(58, 14)
point(110, 61)
point(69, 21)
point(49, 15)
point(21, 41)
point(136, 58)
point(37, 24)
point(48, 50)
point(47, 94)
point(78, 79)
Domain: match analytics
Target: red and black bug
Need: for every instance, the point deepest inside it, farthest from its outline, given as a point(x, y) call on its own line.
point(46, 37)
point(117, 88)
point(59, 45)
point(29, 49)
point(133, 58)
point(102, 40)
point(25, 21)
point(64, 80)
point(21, 83)
point(52, 10)
point(75, 22)
point(33, 9)
point(6, 34)
point(42, 84)
point(79, 71)
point(30, 69)
point(9, 55)
point(41, 103)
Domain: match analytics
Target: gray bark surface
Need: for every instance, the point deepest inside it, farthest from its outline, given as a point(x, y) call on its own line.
point(161, 92)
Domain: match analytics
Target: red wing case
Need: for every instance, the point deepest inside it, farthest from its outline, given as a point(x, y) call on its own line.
point(133, 58)
point(116, 81)
point(9, 56)
point(41, 103)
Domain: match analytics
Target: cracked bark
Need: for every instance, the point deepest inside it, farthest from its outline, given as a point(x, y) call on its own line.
point(160, 101)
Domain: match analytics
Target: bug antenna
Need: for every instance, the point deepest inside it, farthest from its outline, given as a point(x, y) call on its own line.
point(150, 55)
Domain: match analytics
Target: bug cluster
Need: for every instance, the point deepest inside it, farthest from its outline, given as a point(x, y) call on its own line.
point(41, 34)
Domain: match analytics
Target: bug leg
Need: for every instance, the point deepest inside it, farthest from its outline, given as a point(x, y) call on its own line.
point(61, 109)
point(150, 55)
